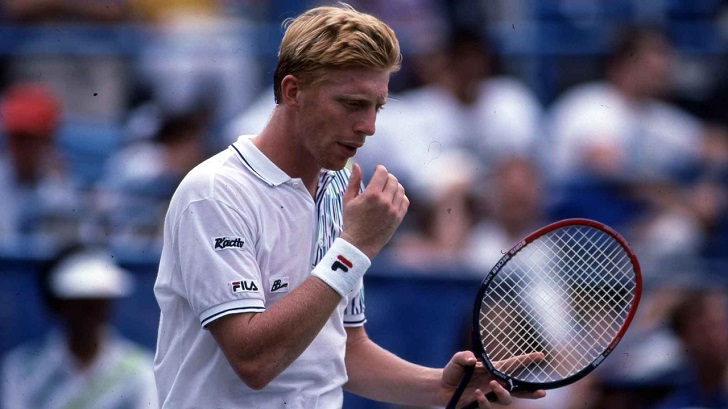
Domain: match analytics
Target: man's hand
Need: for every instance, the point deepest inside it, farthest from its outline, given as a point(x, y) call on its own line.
point(371, 218)
point(483, 381)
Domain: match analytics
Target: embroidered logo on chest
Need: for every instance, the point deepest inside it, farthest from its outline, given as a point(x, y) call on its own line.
point(222, 243)
point(243, 286)
point(279, 284)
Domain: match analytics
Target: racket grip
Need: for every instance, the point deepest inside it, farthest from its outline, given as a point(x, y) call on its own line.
point(464, 381)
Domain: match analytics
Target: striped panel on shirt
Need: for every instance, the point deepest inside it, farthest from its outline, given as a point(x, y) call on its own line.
point(329, 201)
point(329, 209)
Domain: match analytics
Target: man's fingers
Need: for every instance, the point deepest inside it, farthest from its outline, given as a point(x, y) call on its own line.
point(499, 395)
point(465, 358)
point(481, 399)
point(379, 179)
point(401, 201)
point(503, 397)
point(510, 364)
point(391, 185)
point(393, 191)
point(388, 185)
point(537, 394)
point(352, 189)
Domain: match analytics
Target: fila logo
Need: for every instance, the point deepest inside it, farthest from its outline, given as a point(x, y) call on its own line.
point(342, 263)
point(222, 243)
point(279, 285)
point(243, 286)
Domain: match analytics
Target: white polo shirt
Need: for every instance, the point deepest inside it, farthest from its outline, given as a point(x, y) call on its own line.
point(239, 235)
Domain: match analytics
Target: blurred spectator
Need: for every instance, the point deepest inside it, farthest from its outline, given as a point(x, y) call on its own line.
point(622, 155)
point(700, 321)
point(714, 178)
point(444, 214)
point(464, 221)
point(198, 54)
point(85, 68)
point(139, 180)
point(514, 199)
point(40, 201)
point(619, 127)
point(253, 118)
point(463, 105)
point(83, 363)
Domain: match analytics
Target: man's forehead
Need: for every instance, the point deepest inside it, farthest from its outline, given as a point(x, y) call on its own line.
point(359, 80)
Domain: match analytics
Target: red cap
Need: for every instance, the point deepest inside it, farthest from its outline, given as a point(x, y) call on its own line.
point(30, 108)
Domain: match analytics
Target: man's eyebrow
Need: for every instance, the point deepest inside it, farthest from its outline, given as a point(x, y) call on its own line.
point(379, 100)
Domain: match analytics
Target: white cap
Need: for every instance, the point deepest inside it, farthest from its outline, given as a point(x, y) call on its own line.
point(90, 274)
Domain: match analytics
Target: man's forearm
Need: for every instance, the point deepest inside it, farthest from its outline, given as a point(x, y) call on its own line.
point(377, 374)
point(260, 346)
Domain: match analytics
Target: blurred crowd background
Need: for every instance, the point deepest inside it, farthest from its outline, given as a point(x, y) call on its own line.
point(506, 115)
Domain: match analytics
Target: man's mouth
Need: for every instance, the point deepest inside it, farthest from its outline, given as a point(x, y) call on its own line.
point(350, 147)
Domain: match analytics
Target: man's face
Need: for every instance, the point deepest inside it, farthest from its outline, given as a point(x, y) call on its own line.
point(338, 113)
point(652, 67)
point(28, 152)
point(706, 336)
point(84, 316)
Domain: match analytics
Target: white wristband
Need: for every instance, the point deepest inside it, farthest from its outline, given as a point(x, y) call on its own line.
point(342, 266)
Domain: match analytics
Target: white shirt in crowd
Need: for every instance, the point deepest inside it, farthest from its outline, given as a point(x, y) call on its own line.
point(42, 374)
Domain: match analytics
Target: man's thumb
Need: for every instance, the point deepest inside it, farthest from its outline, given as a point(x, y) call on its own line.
point(352, 189)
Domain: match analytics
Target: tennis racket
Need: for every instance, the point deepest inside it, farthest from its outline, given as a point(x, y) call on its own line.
point(569, 291)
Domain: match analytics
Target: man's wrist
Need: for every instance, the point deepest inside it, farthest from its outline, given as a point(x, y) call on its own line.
point(342, 266)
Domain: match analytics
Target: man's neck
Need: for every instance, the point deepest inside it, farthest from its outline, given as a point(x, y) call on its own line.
point(275, 143)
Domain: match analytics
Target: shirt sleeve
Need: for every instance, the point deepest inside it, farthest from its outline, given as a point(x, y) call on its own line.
point(217, 258)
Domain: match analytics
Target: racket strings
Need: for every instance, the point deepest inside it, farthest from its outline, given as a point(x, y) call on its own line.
point(566, 294)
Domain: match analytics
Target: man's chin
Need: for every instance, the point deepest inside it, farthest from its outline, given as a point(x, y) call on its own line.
point(338, 165)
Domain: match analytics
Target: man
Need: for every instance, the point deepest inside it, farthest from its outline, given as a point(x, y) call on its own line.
point(700, 323)
point(620, 153)
point(84, 363)
point(266, 243)
point(42, 201)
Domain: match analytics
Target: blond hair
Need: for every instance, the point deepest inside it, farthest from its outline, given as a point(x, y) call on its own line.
point(334, 37)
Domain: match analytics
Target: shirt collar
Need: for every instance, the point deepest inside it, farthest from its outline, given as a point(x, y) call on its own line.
point(258, 163)
point(264, 168)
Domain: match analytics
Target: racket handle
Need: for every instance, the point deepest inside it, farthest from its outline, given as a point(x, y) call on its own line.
point(491, 396)
point(467, 374)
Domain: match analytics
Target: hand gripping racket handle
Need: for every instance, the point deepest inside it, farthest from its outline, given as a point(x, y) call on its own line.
point(464, 381)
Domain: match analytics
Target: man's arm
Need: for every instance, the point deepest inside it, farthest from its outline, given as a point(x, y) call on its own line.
point(259, 346)
point(380, 375)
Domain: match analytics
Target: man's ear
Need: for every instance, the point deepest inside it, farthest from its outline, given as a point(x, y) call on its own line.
point(290, 89)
